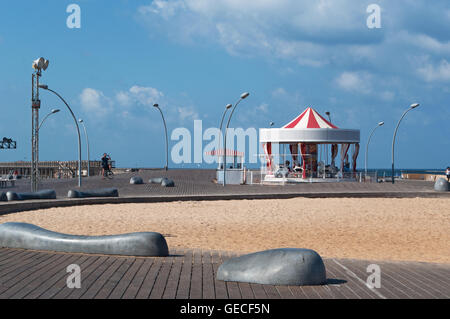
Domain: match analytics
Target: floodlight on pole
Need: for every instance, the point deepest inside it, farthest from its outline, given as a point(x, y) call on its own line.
point(87, 143)
point(367, 146)
point(243, 97)
point(45, 87)
point(413, 106)
point(167, 138)
point(38, 65)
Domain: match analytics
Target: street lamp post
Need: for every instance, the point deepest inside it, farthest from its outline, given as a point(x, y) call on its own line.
point(167, 139)
point(45, 87)
point(413, 106)
point(227, 107)
point(87, 142)
point(367, 146)
point(52, 112)
point(243, 96)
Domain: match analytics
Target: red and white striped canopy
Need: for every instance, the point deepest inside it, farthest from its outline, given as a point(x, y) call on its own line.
point(229, 153)
point(310, 118)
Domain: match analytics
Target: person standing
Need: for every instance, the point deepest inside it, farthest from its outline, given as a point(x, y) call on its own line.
point(105, 164)
point(447, 172)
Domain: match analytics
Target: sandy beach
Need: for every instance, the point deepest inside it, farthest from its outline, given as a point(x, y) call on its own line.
point(416, 229)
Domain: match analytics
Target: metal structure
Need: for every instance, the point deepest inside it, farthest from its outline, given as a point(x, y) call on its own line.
point(367, 146)
point(227, 107)
point(413, 106)
point(8, 143)
point(87, 142)
point(243, 97)
point(39, 65)
point(45, 87)
point(167, 138)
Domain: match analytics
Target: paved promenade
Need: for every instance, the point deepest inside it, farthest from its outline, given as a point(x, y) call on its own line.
point(191, 274)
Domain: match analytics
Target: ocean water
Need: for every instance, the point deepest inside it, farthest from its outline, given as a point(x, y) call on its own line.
point(399, 171)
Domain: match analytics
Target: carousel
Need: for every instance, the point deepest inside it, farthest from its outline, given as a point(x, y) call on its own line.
point(305, 150)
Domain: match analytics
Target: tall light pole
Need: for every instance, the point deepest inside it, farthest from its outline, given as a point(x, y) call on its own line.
point(227, 107)
point(367, 146)
point(38, 65)
point(243, 97)
point(45, 87)
point(167, 138)
point(87, 142)
point(413, 106)
point(52, 112)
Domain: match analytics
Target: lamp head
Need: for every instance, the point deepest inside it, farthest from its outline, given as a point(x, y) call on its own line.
point(327, 113)
point(156, 105)
point(381, 124)
point(271, 124)
point(55, 111)
point(80, 120)
point(413, 106)
point(43, 86)
point(229, 106)
point(245, 95)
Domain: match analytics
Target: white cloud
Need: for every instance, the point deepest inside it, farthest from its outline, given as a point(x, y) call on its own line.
point(94, 102)
point(355, 82)
point(432, 73)
point(187, 113)
point(140, 95)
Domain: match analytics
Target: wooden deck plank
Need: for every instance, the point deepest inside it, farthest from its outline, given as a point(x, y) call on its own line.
point(208, 276)
point(150, 279)
point(184, 284)
point(126, 279)
point(137, 281)
point(161, 281)
point(359, 269)
point(112, 282)
point(48, 276)
point(19, 262)
point(196, 278)
point(220, 286)
point(338, 285)
point(51, 288)
point(174, 277)
point(88, 275)
point(22, 285)
point(357, 288)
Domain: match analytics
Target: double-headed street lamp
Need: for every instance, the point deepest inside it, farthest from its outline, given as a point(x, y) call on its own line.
point(413, 106)
point(367, 146)
point(167, 138)
point(45, 87)
point(243, 97)
point(87, 142)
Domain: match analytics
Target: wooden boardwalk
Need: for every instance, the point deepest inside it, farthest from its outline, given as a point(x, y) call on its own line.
point(190, 274)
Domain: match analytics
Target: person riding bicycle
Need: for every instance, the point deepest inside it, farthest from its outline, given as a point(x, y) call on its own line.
point(106, 166)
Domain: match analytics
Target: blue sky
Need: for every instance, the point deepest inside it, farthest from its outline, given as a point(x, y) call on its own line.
point(195, 56)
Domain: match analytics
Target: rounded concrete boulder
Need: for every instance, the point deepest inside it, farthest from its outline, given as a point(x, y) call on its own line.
point(43, 194)
point(136, 180)
point(167, 183)
point(156, 180)
point(442, 185)
point(287, 266)
point(104, 192)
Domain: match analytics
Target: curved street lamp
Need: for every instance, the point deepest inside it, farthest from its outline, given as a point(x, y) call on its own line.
point(227, 107)
point(45, 87)
point(413, 106)
point(367, 146)
point(243, 97)
point(52, 112)
point(167, 139)
point(87, 142)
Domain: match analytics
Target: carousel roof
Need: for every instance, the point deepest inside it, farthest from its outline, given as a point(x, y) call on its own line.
point(310, 118)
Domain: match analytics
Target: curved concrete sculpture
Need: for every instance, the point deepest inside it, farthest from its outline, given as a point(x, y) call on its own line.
point(27, 236)
point(3, 197)
point(157, 180)
point(288, 266)
point(136, 180)
point(442, 185)
point(104, 192)
point(44, 194)
point(167, 183)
